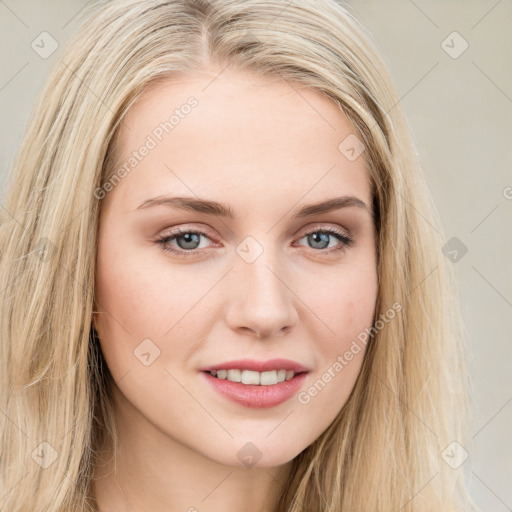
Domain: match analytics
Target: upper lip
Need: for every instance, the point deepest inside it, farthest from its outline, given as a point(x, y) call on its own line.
point(258, 366)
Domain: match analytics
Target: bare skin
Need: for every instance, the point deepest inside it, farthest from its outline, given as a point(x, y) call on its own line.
point(266, 149)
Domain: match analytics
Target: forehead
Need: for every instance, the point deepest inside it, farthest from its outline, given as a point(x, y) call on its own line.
point(235, 133)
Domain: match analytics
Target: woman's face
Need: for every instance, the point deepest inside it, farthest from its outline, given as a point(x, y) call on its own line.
point(262, 283)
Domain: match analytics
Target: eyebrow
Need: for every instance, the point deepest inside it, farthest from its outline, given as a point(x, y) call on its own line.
point(215, 208)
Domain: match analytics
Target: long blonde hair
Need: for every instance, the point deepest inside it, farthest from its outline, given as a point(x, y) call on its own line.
point(386, 450)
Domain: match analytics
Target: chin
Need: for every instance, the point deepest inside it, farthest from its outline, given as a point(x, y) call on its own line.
point(256, 453)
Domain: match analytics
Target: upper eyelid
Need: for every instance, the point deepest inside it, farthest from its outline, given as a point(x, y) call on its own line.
point(315, 225)
point(323, 227)
point(318, 226)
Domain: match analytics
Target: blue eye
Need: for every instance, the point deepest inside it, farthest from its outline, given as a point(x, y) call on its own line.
point(188, 241)
point(320, 238)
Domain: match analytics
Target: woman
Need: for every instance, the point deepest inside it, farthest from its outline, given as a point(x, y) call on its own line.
point(223, 284)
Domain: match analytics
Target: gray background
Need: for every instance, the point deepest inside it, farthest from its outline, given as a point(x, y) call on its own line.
point(460, 110)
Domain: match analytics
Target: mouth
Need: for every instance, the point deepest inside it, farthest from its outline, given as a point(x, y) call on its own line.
point(254, 378)
point(254, 383)
point(253, 389)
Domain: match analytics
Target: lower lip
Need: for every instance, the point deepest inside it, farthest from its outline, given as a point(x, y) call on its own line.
point(257, 396)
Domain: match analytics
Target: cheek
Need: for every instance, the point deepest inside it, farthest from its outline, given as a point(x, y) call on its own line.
point(130, 287)
point(344, 301)
point(346, 307)
point(129, 302)
point(139, 300)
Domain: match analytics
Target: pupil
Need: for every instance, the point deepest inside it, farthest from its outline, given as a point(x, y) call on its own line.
point(190, 238)
point(316, 237)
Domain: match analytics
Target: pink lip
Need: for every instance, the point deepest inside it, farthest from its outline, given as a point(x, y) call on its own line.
point(256, 396)
point(258, 366)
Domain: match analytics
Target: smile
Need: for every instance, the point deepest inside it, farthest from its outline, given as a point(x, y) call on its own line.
point(253, 395)
point(251, 377)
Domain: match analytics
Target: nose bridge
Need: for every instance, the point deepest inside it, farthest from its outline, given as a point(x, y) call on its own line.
point(261, 299)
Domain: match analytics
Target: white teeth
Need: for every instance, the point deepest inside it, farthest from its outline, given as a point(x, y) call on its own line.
point(234, 375)
point(251, 377)
point(268, 378)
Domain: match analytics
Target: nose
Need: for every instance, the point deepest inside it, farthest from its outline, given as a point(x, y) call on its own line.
point(260, 301)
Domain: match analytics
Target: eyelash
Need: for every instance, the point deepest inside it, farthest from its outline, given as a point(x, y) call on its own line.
point(346, 241)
